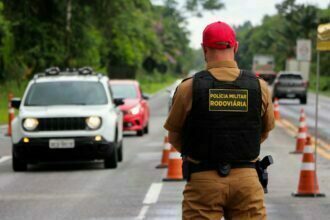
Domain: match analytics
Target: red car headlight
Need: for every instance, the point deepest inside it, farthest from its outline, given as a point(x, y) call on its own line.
point(135, 110)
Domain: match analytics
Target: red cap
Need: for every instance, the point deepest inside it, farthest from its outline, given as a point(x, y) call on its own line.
point(219, 35)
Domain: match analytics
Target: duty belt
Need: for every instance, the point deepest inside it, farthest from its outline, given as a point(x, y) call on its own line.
point(223, 169)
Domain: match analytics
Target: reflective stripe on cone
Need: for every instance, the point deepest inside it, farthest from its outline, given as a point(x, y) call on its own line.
point(174, 172)
point(302, 133)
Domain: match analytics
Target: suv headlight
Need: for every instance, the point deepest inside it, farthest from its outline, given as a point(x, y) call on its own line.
point(30, 124)
point(93, 122)
point(135, 110)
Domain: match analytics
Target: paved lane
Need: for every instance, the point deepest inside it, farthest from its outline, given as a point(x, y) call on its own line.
point(291, 108)
point(135, 190)
point(284, 178)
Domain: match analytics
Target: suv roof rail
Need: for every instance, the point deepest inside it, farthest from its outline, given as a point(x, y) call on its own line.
point(55, 71)
point(38, 75)
point(52, 71)
point(86, 70)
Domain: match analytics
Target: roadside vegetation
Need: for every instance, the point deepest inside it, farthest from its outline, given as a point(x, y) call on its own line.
point(124, 39)
point(324, 88)
point(152, 84)
point(121, 38)
point(9, 87)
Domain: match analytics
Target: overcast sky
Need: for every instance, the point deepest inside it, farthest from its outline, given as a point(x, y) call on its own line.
point(237, 12)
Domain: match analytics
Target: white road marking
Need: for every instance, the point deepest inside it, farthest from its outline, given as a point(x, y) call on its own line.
point(4, 158)
point(150, 198)
point(153, 193)
point(143, 212)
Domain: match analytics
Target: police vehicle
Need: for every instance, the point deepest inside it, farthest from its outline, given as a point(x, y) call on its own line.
point(67, 115)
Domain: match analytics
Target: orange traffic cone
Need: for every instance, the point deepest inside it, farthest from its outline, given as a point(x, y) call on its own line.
point(11, 113)
point(166, 154)
point(277, 110)
point(308, 186)
point(302, 133)
point(174, 172)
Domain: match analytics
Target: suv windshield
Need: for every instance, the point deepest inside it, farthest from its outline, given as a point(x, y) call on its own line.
point(66, 93)
point(124, 91)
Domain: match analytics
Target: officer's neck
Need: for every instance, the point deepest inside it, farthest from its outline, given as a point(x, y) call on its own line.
point(219, 55)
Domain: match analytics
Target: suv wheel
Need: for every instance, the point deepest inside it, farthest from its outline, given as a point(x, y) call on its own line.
point(19, 165)
point(303, 100)
point(120, 151)
point(111, 161)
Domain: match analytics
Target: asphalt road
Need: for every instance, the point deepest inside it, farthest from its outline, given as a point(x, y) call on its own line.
point(290, 109)
point(135, 190)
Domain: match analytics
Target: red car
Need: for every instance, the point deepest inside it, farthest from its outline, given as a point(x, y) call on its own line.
point(135, 108)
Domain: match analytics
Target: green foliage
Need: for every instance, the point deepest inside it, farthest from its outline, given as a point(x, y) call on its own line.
point(6, 88)
point(150, 84)
point(198, 5)
point(324, 86)
point(6, 44)
point(116, 36)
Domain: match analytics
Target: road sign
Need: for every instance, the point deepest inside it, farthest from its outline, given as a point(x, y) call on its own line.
point(323, 37)
point(304, 50)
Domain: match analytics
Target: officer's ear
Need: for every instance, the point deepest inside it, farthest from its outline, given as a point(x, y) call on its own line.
point(236, 47)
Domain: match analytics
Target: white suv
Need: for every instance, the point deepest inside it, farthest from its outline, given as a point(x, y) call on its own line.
point(67, 115)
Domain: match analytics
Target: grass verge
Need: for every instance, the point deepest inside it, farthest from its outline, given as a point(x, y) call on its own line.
point(5, 89)
point(153, 83)
point(324, 84)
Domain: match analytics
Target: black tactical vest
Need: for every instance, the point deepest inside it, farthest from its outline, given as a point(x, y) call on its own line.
point(224, 124)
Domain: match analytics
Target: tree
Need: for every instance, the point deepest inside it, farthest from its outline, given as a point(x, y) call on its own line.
point(5, 45)
point(114, 36)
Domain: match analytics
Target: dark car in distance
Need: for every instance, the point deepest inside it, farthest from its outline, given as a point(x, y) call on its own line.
point(290, 85)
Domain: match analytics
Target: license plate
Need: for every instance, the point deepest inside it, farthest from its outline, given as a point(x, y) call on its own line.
point(61, 143)
point(290, 95)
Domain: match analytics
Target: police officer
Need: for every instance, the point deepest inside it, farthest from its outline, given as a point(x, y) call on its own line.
point(218, 119)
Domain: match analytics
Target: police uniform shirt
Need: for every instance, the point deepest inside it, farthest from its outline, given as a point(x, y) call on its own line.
point(182, 101)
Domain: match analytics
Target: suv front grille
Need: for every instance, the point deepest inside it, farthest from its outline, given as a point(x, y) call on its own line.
point(61, 124)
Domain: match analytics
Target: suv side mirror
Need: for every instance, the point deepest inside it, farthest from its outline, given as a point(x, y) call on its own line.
point(145, 97)
point(16, 102)
point(118, 101)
